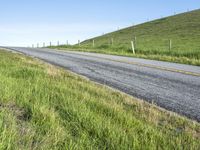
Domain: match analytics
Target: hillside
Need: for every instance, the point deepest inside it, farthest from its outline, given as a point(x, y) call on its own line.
point(152, 40)
point(182, 29)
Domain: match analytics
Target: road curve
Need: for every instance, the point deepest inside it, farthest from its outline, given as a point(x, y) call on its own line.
point(175, 87)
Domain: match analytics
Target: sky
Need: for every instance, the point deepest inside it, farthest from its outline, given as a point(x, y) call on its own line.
point(27, 22)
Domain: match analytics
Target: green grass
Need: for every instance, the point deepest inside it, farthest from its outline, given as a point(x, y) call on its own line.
point(44, 107)
point(152, 40)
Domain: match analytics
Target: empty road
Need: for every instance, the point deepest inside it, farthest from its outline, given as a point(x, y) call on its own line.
point(174, 87)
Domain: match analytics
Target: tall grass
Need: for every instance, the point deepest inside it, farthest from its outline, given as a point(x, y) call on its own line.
point(43, 107)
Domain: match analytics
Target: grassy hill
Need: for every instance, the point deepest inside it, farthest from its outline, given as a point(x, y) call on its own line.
point(152, 39)
point(44, 107)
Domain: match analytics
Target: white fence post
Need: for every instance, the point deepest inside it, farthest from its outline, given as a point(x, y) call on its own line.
point(79, 43)
point(93, 43)
point(170, 45)
point(133, 47)
point(58, 43)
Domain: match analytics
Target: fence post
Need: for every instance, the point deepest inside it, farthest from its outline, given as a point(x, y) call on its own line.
point(43, 44)
point(93, 43)
point(133, 48)
point(79, 43)
point(50, 44)
point(170, 45)
point(112, 41)
point(135, 41)
point(58, 43)
point(67, 43)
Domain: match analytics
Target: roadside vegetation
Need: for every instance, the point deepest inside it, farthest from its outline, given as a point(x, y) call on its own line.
point(152, 40)
point(45, 107)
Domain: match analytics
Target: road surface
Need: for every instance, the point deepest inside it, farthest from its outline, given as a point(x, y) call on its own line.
point(172, 86)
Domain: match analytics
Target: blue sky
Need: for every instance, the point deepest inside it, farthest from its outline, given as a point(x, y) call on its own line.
point(27, 22)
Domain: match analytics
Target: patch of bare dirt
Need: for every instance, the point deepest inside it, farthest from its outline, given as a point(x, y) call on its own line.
point(20, 113)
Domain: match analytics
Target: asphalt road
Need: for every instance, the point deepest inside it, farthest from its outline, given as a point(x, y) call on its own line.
point(172, 86)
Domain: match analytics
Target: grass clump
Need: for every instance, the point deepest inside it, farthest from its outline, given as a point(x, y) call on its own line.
point(44, 107)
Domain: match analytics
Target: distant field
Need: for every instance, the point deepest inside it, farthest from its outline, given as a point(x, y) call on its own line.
point(152, 40)
point(44, 107)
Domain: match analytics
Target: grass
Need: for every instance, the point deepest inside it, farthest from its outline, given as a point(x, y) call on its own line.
point(152, 40)
point(44, 107)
